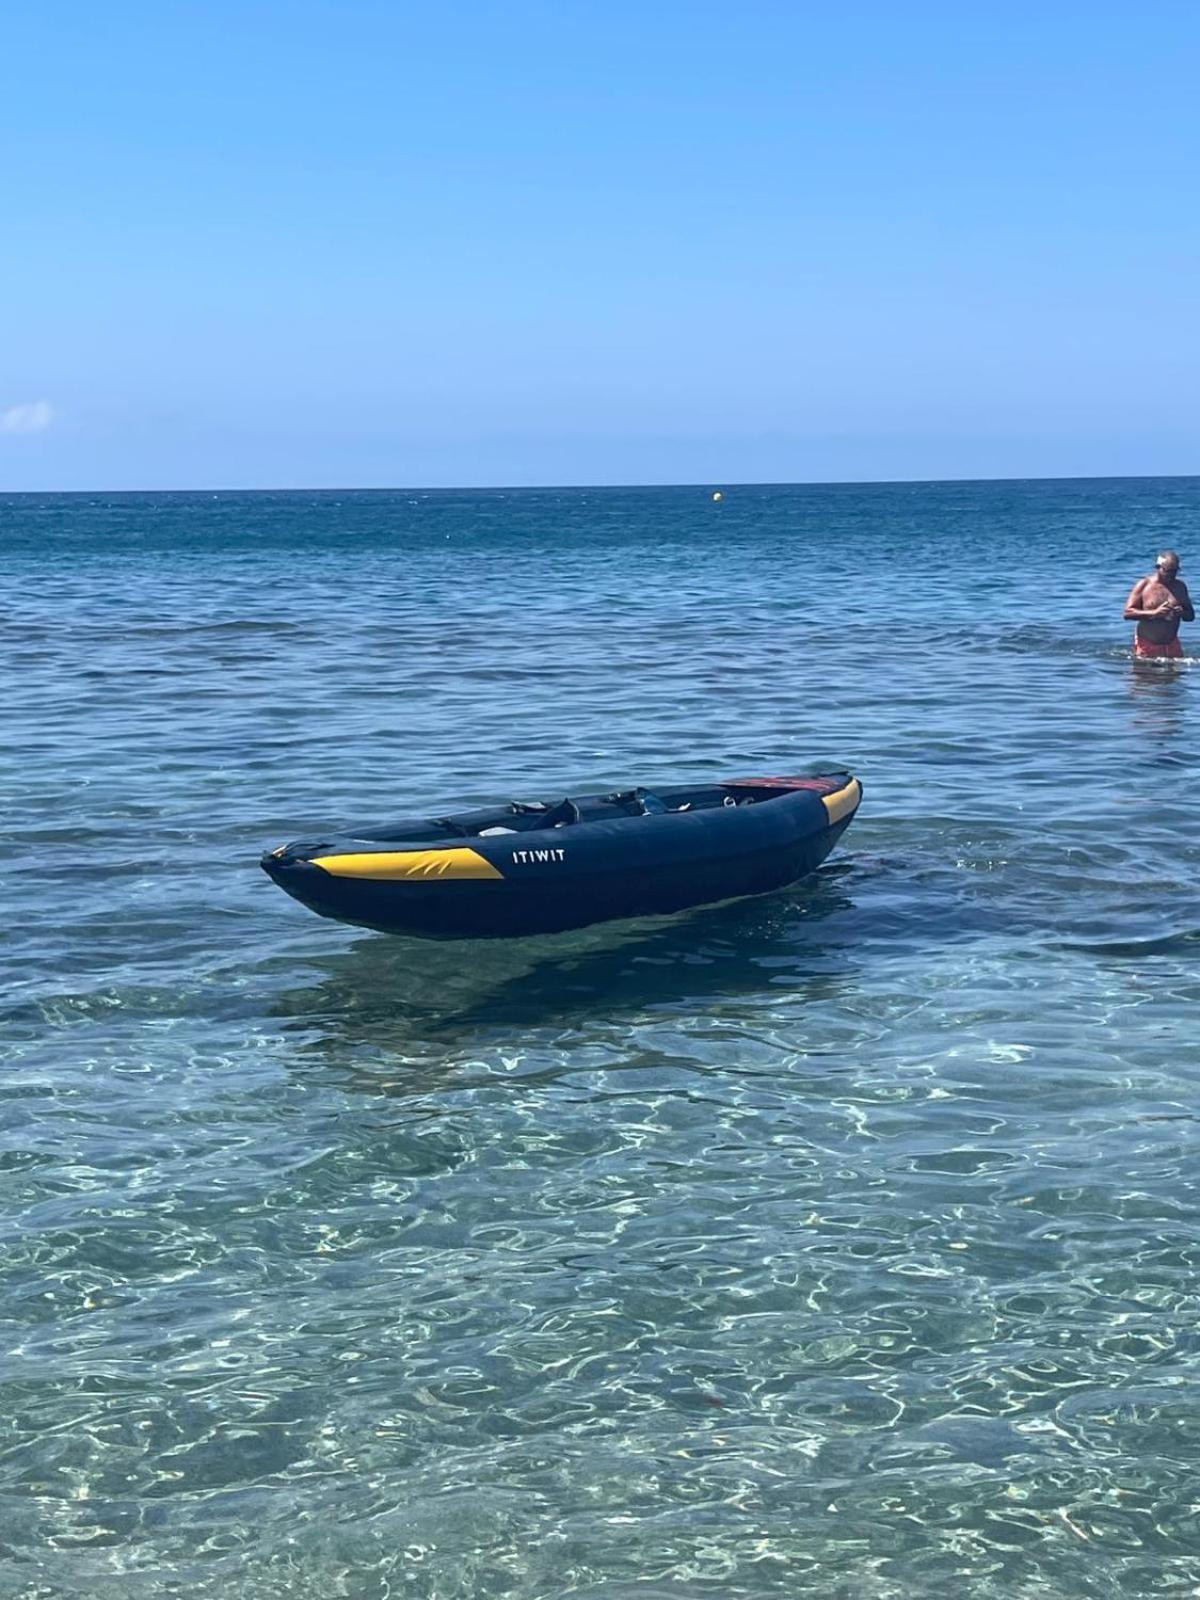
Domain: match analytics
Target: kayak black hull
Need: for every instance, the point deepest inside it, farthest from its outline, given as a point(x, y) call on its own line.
point(521, 884)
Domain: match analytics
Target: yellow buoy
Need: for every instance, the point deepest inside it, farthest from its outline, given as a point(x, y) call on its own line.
point(718, 495)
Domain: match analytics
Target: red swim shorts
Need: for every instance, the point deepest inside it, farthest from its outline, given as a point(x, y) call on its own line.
point(1172, 649)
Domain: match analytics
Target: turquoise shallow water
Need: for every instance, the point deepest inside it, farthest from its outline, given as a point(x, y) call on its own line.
point(841, 1242)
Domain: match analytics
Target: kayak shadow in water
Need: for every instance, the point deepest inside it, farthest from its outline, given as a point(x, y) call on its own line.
point(807, 944)
point(395, 992)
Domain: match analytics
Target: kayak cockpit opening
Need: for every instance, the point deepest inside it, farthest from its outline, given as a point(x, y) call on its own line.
point(535, 816)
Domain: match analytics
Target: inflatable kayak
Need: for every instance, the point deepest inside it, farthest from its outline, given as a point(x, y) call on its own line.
point(544, 866)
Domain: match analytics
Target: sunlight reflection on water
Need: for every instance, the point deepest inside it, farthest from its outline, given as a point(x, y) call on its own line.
point(838, 1242)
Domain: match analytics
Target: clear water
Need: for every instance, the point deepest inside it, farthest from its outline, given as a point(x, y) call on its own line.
point(841, 1242)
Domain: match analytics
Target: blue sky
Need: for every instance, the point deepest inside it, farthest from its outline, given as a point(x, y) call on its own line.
point(596, 241)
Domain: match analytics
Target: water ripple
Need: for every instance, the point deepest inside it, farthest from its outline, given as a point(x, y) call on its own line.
point(842, 1242)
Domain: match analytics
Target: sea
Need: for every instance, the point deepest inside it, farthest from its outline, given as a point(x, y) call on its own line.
point(839, 1242)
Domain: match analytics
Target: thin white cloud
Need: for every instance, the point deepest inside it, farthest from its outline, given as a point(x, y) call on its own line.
point(33, 417)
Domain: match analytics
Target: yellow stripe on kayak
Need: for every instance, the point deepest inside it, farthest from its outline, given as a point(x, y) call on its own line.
point(842, 802)
point(397, 865)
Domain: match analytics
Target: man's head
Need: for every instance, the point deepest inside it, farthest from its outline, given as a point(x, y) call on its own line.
point(1167, 564)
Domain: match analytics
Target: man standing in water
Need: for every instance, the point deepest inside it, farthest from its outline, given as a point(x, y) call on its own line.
point(1158, 604)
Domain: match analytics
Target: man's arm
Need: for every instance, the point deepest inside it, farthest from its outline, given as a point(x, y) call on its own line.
point(1133, 610)
point(1188, 613)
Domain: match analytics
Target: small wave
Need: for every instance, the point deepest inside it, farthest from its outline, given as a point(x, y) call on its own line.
point(235, 626)
point(1161, 945)
point(1043, 641)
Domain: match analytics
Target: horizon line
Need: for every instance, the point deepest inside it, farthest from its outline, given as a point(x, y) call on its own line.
point(711, 485)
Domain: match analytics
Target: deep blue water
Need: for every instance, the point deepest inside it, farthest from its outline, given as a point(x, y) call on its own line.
point(841, 1242)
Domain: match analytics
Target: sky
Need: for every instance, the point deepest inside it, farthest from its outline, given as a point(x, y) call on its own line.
point(596, 241)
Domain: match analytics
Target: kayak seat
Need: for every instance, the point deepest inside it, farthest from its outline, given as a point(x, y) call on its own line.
point(559, 816)
point(638, 803)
